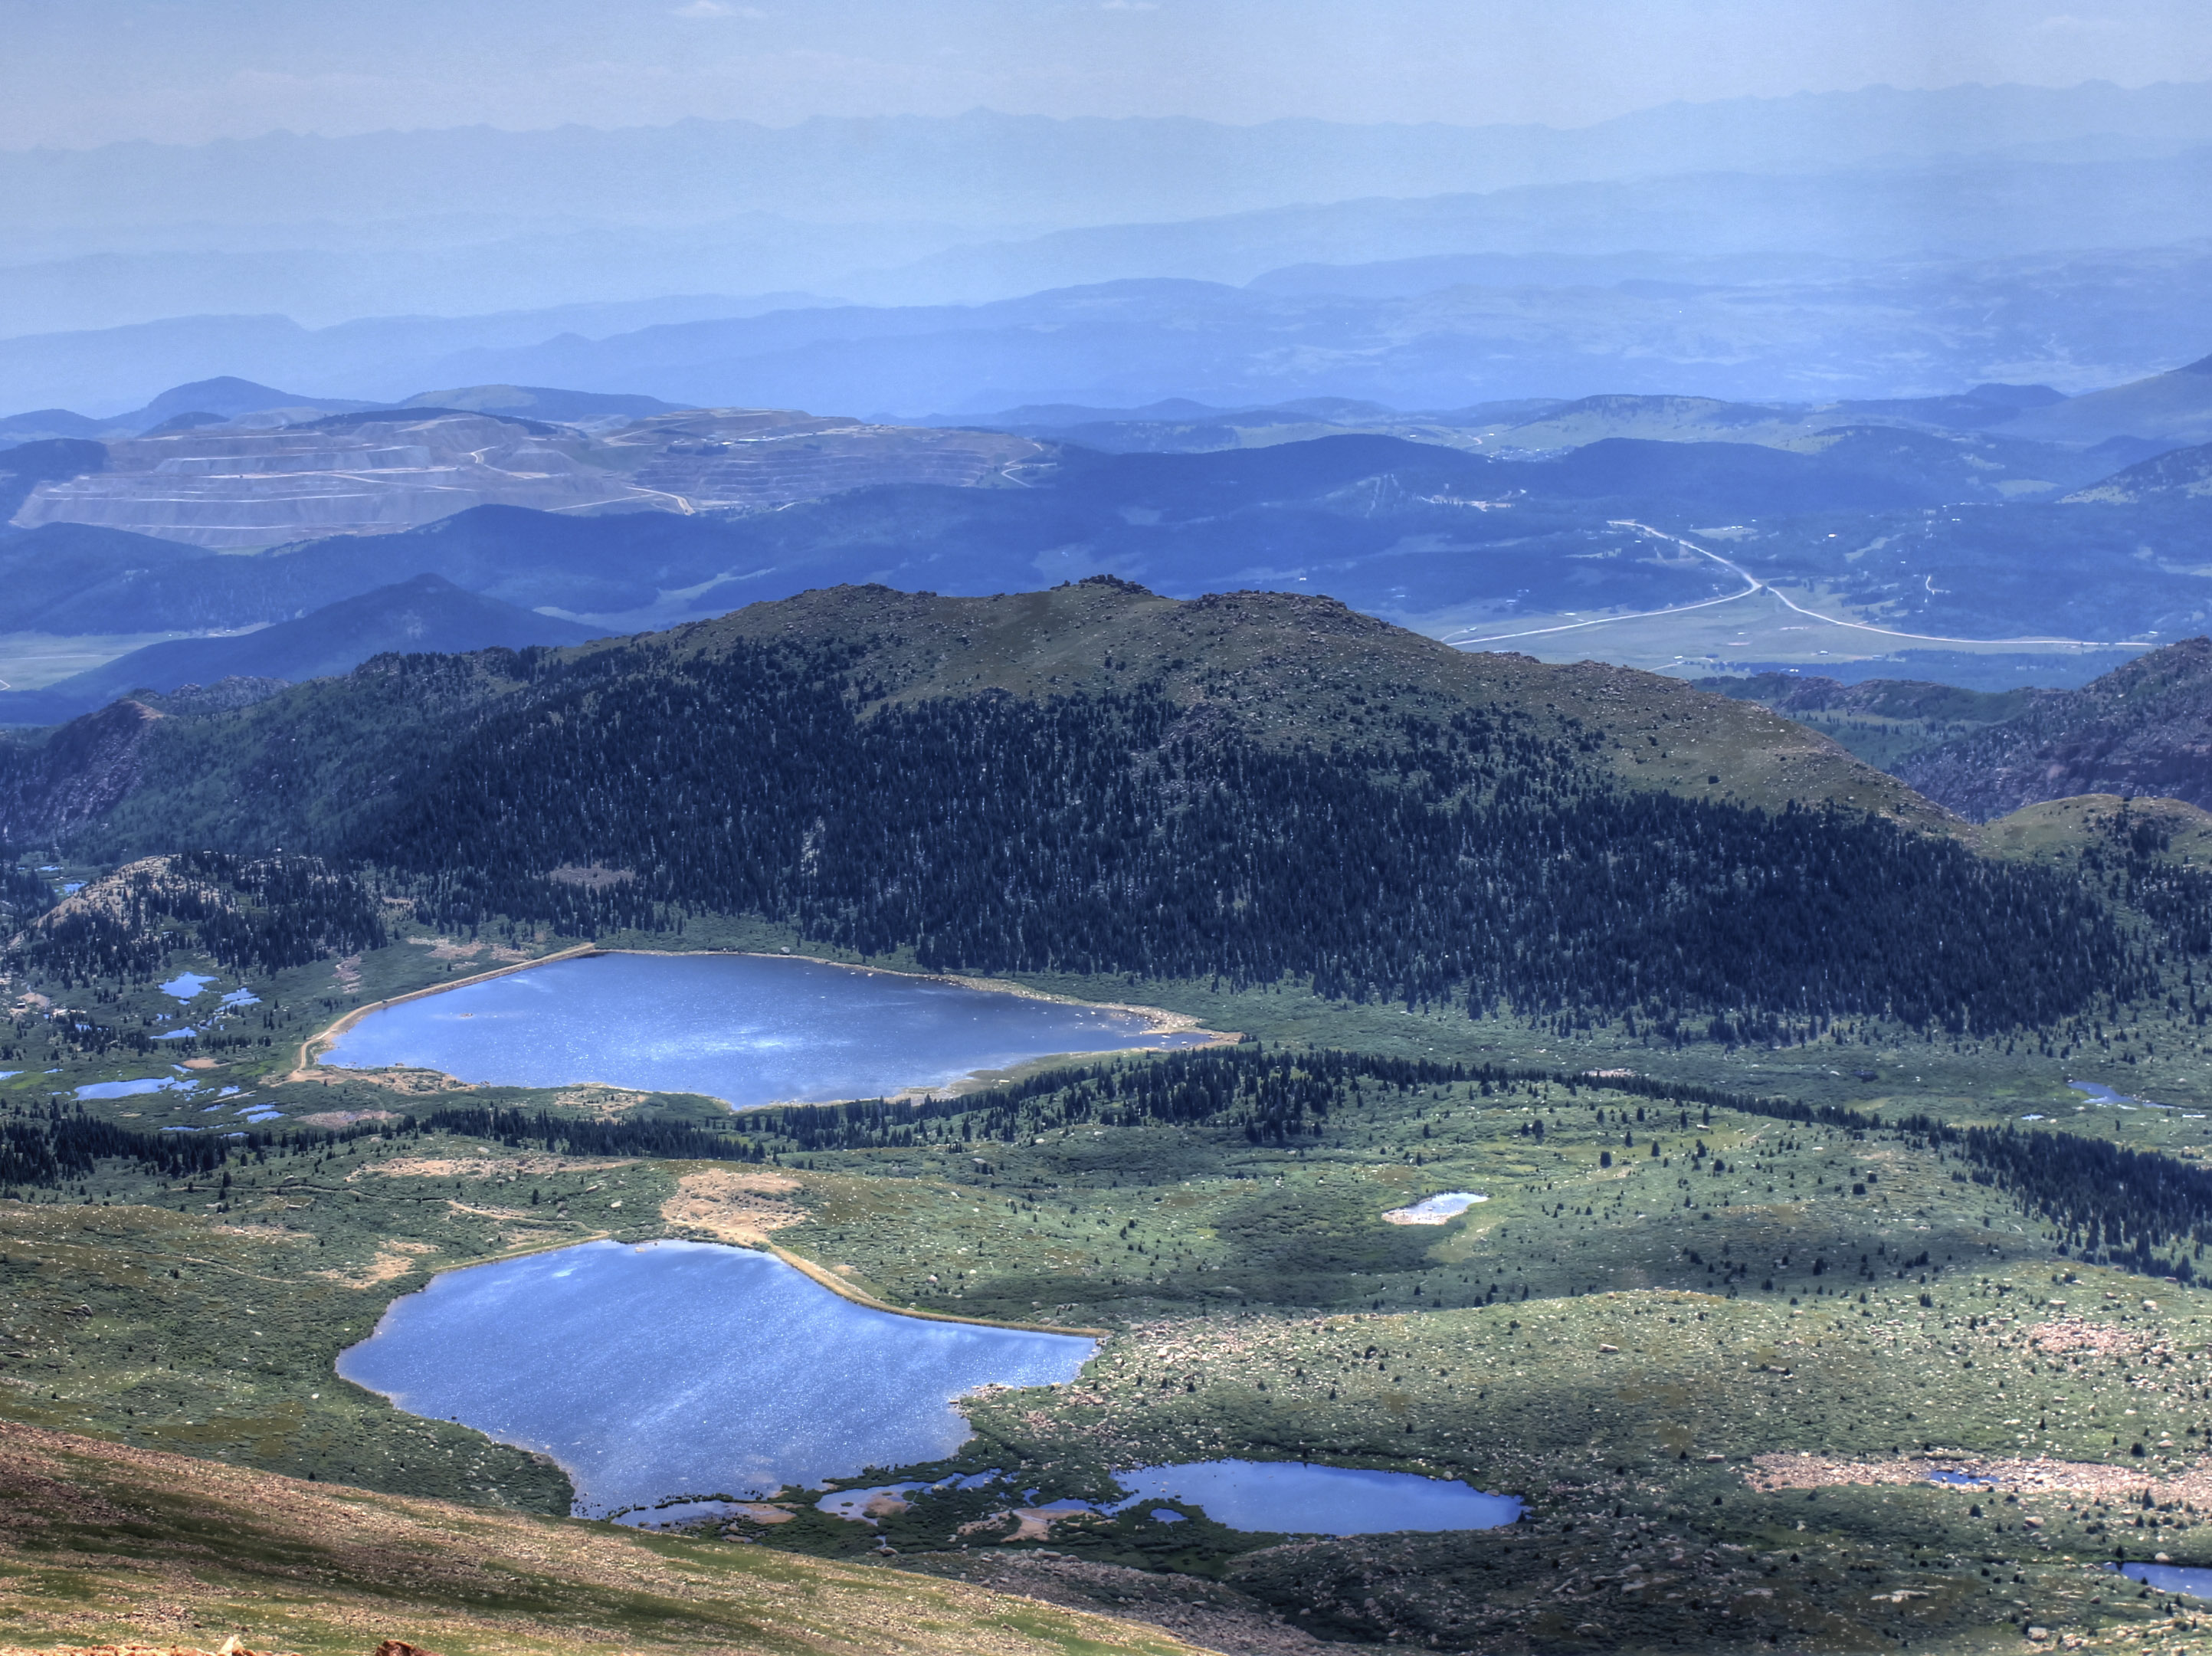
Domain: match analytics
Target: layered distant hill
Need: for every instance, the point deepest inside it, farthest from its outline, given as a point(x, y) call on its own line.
point(1886, 721)
point(923, 210)
point(426, 612)
point(1469, 527)
point(1405, 528)
point(228, 483)
point(1757, 328)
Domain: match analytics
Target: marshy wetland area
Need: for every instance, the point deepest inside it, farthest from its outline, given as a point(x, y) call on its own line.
point(1773, 1351)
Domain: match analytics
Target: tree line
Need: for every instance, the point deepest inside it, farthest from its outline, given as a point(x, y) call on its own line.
point(2142, 1210)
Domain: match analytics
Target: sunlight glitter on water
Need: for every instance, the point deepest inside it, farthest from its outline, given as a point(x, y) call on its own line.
point(746, 1029)
point(675, 1369)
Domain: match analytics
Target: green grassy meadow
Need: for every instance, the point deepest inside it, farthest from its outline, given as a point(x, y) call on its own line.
point(1651, 1298)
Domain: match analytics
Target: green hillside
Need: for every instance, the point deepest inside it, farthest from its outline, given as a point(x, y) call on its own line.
point(1884, 722)
point(1759, 1060)
point(1244, 791)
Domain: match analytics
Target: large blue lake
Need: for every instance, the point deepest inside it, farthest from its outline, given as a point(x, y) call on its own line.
point(746, 1029)
point(684, 1368)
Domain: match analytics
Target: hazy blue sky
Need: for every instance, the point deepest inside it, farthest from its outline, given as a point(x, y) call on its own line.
point(77, 72)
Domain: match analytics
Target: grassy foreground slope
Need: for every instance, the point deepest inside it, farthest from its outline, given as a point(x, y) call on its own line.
point(102, 1543)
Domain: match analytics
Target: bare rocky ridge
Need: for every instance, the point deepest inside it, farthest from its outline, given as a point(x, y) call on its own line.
point(74, 775)
point(738, 457)
point(2144, 728)
point(227, 490)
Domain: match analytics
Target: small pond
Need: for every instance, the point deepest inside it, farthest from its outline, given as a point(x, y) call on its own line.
point(133, 1089)
point(1439, 1209)
point(682, 1368)
point(1299, 1499)
point(2171, 1577)
point(746, 1029)
point(1258, 1496)
point(2100, 1093)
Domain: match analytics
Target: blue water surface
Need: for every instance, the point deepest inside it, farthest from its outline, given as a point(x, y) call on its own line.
point(746, 1029)
point(2171, 1577)
point(132, 1089)
point(1300, 1499)
point(2100, 1093)
point(684, 1368)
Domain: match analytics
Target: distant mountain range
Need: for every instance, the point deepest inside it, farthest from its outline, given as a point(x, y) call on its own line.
point(988, 168)
point(1817, 331)
point(426, 612)
point(1455, 542)
point(479, 220)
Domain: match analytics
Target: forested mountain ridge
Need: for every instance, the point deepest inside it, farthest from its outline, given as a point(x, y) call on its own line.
point(1247, 788)
point(1285, 669)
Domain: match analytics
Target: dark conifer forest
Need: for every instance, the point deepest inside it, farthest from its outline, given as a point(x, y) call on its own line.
point(249, 913)
point(1471, 857)
point(1466, 860)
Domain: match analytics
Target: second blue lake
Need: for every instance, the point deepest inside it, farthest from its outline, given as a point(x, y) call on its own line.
point(746, 1029)
point(674, 1369)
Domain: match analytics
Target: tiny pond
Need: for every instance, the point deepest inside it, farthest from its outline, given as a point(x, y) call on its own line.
point(1440, 1209)
point(1306, 1500)
point(684, 1368)
point(746, 1029)
point(2171, 1577)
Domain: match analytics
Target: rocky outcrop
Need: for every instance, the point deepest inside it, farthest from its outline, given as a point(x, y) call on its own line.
point(50, 787)
point(2143, 730)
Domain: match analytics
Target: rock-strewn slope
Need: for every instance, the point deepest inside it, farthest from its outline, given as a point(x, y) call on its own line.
point(2145, 728)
